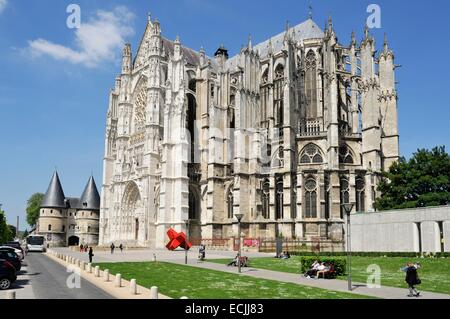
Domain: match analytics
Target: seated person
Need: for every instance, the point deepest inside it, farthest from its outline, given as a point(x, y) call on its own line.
point(313, 270)
point(323, 269)
point(235, 261)
point(285, 255)
point(244, 261)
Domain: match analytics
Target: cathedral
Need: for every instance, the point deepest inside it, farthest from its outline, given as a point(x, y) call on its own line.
point(284, 132)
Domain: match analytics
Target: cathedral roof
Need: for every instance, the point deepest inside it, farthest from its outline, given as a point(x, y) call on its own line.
point(303, 31)
point(90, 199)
point(192, 57)
point(54, 197)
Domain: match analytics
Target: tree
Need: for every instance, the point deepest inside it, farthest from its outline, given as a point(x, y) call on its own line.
point(25, 234)
point(33, 207)
point(422, 181)
point(5, 232)
point(13, 231)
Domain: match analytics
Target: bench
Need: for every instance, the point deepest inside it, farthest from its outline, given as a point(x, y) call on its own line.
point(327, 274)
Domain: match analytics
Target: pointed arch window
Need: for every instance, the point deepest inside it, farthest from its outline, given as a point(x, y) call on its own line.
point(264, 96)
point(360, 194)
point(265, 198)
point(311, 155)
point(310, 198)
point(279, 197)
point(311, 85)
point(345, 193)
point(278, 98)
point(230, 202)
point(345, 155)
point(327, 196)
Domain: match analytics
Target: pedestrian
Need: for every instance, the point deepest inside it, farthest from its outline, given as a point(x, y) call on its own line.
point(112, 248)
point(86, 247)
point(412, 278)
point(201, 252)
point(81, 248)
point(121, 247)
point(91, 254)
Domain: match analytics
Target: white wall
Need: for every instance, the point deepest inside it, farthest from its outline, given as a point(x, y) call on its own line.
point(398, 231)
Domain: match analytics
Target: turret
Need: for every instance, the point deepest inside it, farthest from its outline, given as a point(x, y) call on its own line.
point(88, 214)
point(126, 59)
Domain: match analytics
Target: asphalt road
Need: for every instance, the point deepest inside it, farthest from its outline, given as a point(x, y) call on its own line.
point(48, 280)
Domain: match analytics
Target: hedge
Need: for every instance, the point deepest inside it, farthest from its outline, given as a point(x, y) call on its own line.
point(372, 254)
point(338, 262)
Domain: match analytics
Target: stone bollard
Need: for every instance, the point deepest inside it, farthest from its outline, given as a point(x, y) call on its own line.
point(82, 265)
point(133, 287)
point(184, 297)
point(89, 268)
point(11, 295)
point(118, 282)
point(106, 274)
point(154, 257)
point(97, 271)
point(154, 292)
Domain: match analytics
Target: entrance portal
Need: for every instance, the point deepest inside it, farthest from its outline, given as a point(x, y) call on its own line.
point(74, 241)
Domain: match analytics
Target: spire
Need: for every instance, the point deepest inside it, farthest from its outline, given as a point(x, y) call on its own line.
point(149, 15)
point(126, 59)
point(250, 46)
point(330, 22)
point(366, 32)
point(54, 197)
point(90, 199)
point(270, 47)
point(385, 46)
point(353, 39)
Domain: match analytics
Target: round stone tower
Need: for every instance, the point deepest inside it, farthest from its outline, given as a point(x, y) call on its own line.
point(88, 215)
point(52, 218)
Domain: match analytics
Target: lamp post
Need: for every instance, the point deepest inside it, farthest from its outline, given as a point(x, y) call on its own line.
point(347, 209)
point(186, 221)
point(239, 217)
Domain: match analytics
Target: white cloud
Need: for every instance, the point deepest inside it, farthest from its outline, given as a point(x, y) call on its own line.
point(99, 40)
point(3, 4)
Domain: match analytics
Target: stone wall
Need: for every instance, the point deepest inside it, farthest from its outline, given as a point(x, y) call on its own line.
point(408, 230)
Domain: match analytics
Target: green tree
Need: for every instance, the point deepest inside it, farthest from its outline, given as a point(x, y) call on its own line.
point(5, 232)
point(33, 207)
point(422, 181)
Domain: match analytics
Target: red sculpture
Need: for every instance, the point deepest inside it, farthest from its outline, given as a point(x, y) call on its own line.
point(177, 240)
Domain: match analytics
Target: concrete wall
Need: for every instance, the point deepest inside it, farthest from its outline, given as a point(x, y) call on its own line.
point(408, 230)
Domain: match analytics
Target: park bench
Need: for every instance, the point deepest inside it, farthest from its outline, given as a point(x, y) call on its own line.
point(328, 274)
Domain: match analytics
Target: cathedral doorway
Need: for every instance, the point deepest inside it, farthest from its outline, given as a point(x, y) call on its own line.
point(73, 241)
point(132, 211)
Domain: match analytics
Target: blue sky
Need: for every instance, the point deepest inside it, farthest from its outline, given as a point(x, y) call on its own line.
point(54, 81)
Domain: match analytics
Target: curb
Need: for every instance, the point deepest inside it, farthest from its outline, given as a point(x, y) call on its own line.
point(115, 286)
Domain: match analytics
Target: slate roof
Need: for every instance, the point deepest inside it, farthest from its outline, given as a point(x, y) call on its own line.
point(90, 199)
point(54, 197)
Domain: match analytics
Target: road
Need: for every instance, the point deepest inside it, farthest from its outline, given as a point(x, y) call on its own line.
point(43, 278)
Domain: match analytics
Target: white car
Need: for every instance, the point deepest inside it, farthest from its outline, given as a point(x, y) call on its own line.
point(17, 251)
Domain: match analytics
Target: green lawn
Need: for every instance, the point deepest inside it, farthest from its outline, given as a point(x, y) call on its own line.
point(435, 272)
point(176, 281)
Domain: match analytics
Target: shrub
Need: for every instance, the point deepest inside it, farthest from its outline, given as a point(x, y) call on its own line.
point(338, 262)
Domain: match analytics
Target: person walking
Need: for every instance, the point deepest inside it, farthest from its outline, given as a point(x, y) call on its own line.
point(201, 252)
point(81, 248)
point(412, 278)
point(121, 248)
point(112, 248)
point(90, 254)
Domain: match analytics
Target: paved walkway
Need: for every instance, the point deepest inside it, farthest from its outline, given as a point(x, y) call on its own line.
point(178, 257)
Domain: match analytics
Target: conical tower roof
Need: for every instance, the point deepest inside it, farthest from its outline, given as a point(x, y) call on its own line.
point(54, 198)
point(90, 199)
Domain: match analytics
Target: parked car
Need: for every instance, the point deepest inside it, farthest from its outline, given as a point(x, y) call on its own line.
point(16, 245)
point(12, 257)
point(7, 274)
point(17, 251)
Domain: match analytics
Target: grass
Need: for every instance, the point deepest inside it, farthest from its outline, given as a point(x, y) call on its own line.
point(176, 281)
point(435, 272)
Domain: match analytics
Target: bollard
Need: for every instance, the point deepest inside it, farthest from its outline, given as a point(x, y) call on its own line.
point(11, 295)
point(97, 271)
point(154, 257)
point(154, 292)
point(133, 287)
point(118, 282)
point(184, 297)
point(106, 274)
point(82, 265)
point(89, 268)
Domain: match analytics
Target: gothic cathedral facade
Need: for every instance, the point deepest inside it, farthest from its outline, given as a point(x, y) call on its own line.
point(283, 133)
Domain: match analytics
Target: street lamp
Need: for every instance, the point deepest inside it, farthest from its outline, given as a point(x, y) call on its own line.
point(347, 207)
point(186, 221)
point(239, 217)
